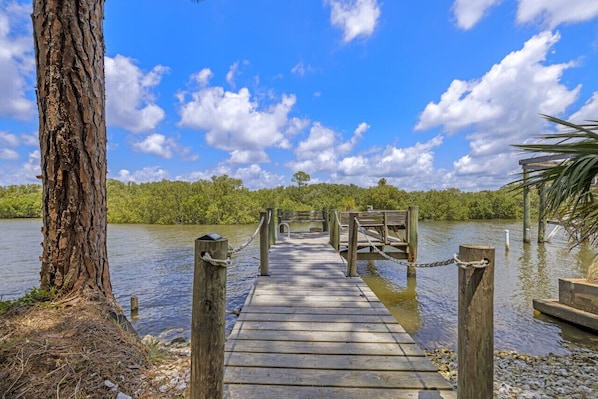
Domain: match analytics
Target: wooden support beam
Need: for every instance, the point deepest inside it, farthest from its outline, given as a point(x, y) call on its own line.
point(476, 324)
point(264, 244)
point(352, 260)
point(412, 237)
point(208, 320)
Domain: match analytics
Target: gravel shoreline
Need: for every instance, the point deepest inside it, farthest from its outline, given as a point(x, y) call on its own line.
point(521, 376)
point(516, 375)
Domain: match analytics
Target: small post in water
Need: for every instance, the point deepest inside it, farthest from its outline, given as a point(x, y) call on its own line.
point(507, 243)
point(208, 318)
point(475, 345)
point(134, 307)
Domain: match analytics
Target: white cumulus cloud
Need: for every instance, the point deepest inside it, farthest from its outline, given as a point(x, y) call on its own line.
point(588, 112)
point(554, 12)
point(8, 154)
point(16, 61)
point(502, 107)
point(356, 18)
point(516, 90)
point(470, 12)
point(324, 149)
point(162, 146)
point(129, 100)
point(144, 175)
point(236, 123)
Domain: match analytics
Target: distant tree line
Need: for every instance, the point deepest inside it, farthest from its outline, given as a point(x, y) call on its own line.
point(23, 201)
point(224, 200)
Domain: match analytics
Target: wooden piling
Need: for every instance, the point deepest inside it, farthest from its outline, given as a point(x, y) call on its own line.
point(335, 229)
point(412, 236)
point(476, 324)
point(542, 213)
point(526, 208)
point(134, 307)
point(352, 250)
point(264, 244)
point(272, 227)
point(208, 319)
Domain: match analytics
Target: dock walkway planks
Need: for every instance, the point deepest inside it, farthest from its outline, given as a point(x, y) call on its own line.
point(307, 331)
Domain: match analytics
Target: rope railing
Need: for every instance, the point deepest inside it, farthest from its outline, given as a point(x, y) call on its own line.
point(232, 251)
point(216, 262)
point(455, 259)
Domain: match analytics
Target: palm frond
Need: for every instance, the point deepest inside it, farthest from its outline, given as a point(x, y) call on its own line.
point(569, 187)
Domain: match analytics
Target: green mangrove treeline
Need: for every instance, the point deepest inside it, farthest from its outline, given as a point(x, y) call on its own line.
point(224, 200)
point(24, 201)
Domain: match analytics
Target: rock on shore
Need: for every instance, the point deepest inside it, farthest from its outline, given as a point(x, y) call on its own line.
point(520, 376)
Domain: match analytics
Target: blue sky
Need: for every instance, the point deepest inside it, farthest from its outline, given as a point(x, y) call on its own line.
point(429, 95)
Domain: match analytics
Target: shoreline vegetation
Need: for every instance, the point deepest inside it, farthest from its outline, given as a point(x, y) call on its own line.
point(224, 200)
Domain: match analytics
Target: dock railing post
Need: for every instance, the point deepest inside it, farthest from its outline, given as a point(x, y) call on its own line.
point(334, 229)
point(412, 236)
point(526, 208)
point(264, 244)
point(325, 219)
point(476, 324)
point(352, 250)
point(208, 319)
point(271, 227)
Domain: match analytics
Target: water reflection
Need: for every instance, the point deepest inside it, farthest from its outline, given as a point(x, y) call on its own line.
point(402, 300)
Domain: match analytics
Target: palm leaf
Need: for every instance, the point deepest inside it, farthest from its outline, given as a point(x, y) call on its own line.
point(569, 192)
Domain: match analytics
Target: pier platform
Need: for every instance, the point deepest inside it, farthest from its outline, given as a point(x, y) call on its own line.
point(308, 331)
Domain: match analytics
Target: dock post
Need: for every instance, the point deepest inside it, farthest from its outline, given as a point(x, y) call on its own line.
point(208, 319)
point(526, 208)
point(134, 307)
point(541, 214)
point(476, 324)
point(352, 250)
point(334, 230)
point(325, 226)
point(412, 236)
point(264, 266)
point(271, 227)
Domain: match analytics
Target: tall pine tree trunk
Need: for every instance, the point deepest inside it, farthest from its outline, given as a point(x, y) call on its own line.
point(69, 51)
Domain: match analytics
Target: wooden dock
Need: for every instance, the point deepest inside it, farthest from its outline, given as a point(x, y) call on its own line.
point(307, 331)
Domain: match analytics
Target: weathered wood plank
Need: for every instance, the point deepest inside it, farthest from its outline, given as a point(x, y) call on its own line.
point(335, 378)
point(365, 311)
point(325, 326)
point(326, 336)
point(324, 318)
point(329, 362)
point(294, 392)
point(324, 348)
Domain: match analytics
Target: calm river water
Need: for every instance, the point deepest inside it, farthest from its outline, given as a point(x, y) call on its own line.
point(155, 263)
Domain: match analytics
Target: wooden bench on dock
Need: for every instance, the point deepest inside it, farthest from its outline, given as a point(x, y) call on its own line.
point(311, 216)
point(395, 231)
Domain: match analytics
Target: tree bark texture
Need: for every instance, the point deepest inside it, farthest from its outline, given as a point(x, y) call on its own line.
point(69, 51)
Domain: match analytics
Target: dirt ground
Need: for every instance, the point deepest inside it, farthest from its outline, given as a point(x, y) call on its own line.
point(78, 350)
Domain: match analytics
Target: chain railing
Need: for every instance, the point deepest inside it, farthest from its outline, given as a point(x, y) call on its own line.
point(455, 259)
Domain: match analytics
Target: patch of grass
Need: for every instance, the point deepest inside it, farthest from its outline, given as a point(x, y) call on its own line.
point(155, 352)
point(36, 296)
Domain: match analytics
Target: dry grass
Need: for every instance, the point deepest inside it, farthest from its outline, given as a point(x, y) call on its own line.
point(69, 351)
